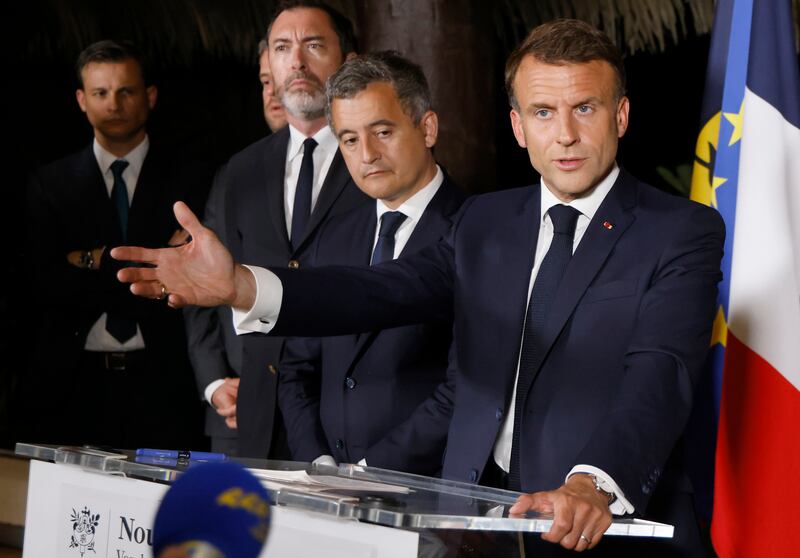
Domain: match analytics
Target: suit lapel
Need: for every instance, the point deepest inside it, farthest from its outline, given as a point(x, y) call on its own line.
point(592, 252)
point(511, 281)
point(271, 176)
point(335, 181)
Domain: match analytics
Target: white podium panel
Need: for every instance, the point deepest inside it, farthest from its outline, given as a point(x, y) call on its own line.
point(74, 513)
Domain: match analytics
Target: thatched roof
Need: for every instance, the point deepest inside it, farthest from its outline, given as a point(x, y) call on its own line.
point(176, 31)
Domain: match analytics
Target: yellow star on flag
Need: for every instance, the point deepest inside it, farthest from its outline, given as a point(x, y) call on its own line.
point(736, 120)
point(719, 334)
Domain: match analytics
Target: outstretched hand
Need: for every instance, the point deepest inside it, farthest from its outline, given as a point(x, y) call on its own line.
point(200, 272)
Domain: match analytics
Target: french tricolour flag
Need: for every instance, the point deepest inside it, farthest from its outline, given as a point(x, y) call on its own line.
point(748, 167)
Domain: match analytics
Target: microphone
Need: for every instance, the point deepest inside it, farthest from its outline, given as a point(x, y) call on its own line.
point(213, 510)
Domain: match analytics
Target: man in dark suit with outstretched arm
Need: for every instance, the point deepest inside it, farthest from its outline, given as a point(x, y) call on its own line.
point(582, 308)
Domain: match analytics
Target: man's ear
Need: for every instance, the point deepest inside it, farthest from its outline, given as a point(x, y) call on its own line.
point(80, 95)
point(623, 107)
point(516, 125)
point(152, 96)
point(430, 127)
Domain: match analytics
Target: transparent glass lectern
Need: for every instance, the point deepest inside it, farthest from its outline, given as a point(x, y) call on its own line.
point(367, 494)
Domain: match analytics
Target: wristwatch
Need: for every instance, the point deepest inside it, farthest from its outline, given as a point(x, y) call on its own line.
point(605, 488)
point(86, 260)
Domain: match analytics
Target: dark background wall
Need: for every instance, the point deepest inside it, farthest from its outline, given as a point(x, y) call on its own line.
point(209, 101)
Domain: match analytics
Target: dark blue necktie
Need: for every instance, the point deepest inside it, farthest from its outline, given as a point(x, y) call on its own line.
point(384, 248)
point(301, 212)
point(555, 262)
point(120, 327)
point(119, 195)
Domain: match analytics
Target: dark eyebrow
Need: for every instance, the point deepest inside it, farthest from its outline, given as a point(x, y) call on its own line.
point(308, 39)
point(382, 122)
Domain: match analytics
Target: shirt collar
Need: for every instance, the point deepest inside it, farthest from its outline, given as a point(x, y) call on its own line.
point(135, 157)
point(324, 138)
point(414, 207)
point(587, 205)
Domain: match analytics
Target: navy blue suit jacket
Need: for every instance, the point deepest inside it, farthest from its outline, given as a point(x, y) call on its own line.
point(626, 336)
point(255, 233)
point(371, 395)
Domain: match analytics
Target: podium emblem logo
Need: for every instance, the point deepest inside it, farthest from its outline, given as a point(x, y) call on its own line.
point(84, 525)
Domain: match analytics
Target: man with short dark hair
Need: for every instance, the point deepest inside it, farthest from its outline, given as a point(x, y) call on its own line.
point(582, 309)
point(381, 396)
point(279, 192)
point(116, 365)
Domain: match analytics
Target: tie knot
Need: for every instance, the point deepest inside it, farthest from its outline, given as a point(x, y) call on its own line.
point(564, 219)
point(309, 145)
point(390, 222)
point(118, 166)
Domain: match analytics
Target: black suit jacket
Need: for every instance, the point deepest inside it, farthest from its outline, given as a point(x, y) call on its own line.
point(69, 209)
point(626, 336)
point(214, 348)
point(372, 395)
point(256, 234)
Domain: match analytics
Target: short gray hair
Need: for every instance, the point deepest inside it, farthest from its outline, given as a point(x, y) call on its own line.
point(407, 79)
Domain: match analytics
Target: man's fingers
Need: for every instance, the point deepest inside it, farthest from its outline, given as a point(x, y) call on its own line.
point(230, 422)
point(134, 254)
point(187, 219)
point(233, 382)
point(229, 411)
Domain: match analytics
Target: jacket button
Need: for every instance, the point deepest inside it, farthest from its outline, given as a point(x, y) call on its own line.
point(498, 414)
point(339, 444)
point(646, 488)
point(350, 383)
point(272, 369)
point(473, 475)
point(294, 264)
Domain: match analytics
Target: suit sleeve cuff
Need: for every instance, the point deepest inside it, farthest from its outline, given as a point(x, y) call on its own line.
point(210, 389)
point(262, 316)
point(621, 505)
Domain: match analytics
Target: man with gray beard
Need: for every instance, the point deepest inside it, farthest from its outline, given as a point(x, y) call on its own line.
point(281, 190)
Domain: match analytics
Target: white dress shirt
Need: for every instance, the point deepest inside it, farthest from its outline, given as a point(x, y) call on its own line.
point(323, 157)
point(99, 339)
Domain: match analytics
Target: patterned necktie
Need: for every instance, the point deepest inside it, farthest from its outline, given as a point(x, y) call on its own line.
point(555, 262)
point(301, 211)
point(120, 327)
point(384, 248)
point(119, 195)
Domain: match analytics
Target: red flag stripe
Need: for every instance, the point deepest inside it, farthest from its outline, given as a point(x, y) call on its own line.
point(757, 493)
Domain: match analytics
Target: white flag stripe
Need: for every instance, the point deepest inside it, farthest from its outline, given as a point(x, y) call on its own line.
point(764, 308)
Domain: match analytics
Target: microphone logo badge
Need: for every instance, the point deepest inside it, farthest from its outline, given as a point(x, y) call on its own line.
point(84, 525)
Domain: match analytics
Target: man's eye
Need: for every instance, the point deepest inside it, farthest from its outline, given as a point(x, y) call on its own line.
point(542, 113)
point(584, 109)
point(349, 141)
point(383, 133)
